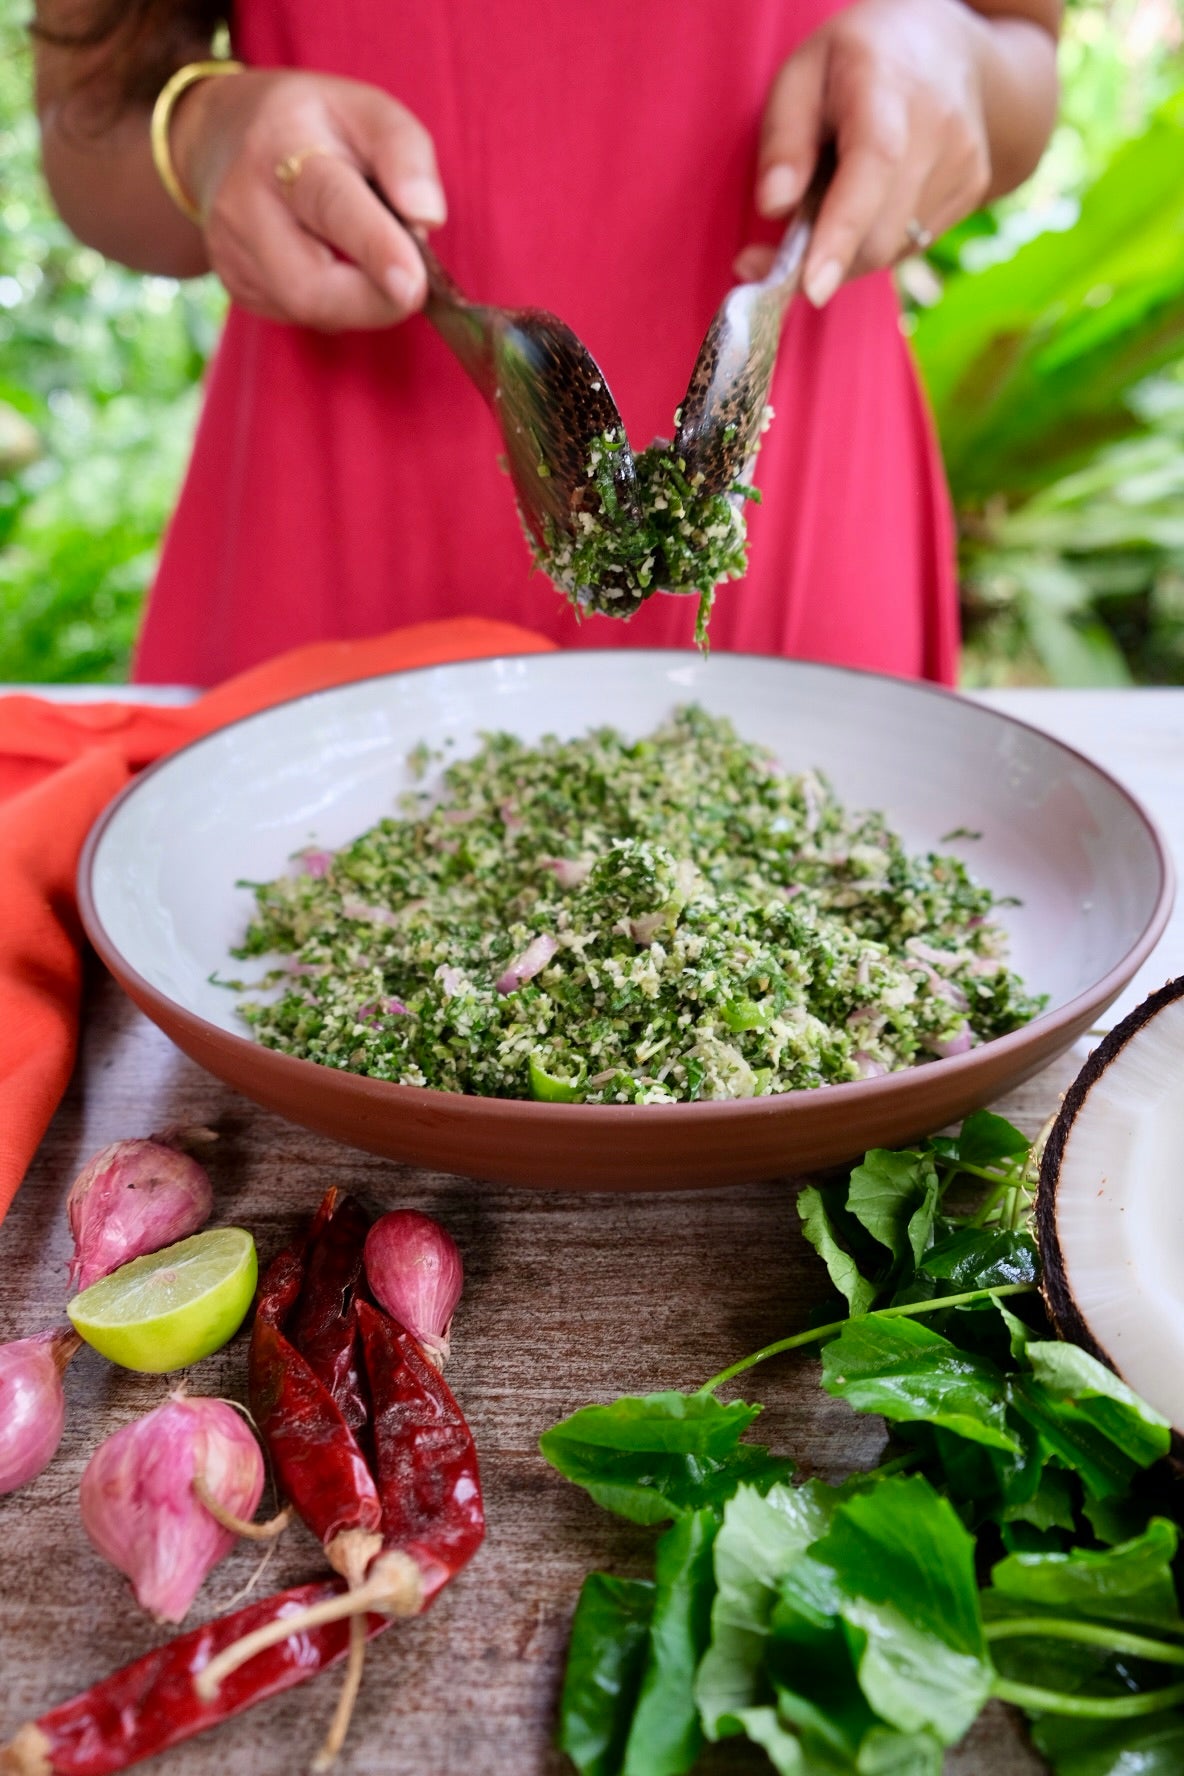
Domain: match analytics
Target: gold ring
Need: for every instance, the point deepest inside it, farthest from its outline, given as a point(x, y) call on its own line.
point(288, 170)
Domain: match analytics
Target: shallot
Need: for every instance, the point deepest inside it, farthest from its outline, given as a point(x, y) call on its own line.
point(415, 1272)
point(142, 1498)
point(523, 968)
point(133, 1198)
point(32, 1404)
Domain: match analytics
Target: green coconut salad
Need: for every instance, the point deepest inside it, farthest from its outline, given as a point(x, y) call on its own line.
point(684, 540)
point(627, 922)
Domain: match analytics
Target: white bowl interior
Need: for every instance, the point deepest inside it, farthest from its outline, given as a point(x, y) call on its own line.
point(1055, 832)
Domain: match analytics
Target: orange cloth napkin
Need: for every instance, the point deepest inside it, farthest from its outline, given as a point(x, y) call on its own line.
point(60, 764)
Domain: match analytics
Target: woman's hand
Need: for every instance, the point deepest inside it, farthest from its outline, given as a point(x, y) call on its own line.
point(277, 164)
point(931, 108)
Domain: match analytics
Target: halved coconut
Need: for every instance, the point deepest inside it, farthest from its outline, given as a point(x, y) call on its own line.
point(1110, 1206)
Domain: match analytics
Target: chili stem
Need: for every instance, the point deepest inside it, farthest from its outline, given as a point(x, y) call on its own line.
point(239, 1526)
point(1039, 1701)
point(395, 1589)
point(908, 1309)
point(1111, 1640)
point(342, 1715)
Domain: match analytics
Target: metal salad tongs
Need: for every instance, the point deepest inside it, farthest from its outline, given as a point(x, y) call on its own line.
point(552, 402)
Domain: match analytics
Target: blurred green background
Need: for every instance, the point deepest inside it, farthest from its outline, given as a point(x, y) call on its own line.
point(1050, 332)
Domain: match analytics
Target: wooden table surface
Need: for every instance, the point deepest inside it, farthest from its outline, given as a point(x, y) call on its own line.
point(568, 1299)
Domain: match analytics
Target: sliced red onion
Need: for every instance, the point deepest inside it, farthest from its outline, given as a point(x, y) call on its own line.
point(315, 862)
point(916, 946)
point(460, 816)
point(792, 890)
point(938, 984)
point(134, 1197)
point(451, 979)
point(32, 1404)
point(533, 959)
point(511, 819)
point(570, 872)
point(414, 1270)
point(868, 1069)
point(867, 1019)
point(375, 1011)
point(138, 1502)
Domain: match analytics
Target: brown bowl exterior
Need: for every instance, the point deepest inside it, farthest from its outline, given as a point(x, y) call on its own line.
point(630, 1147)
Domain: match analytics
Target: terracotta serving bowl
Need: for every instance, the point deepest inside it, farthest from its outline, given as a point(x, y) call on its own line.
point(159, 901)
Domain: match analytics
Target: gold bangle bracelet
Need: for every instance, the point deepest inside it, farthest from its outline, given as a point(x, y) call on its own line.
point(162, 117)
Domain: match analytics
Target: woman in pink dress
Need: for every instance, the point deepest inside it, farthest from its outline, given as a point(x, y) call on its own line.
point(618, 163)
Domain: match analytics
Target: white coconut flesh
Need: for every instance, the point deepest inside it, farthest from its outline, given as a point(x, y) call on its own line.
point(1119, 1210)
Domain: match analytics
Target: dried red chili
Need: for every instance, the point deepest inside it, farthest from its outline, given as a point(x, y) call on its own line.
point(299, 1405)
point(324, 1326)
point(151, 1704)
point(433, 1519)
point(318, 1463)
point(424, 1454)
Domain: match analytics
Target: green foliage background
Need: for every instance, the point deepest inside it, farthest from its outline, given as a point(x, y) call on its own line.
point(1050, 331)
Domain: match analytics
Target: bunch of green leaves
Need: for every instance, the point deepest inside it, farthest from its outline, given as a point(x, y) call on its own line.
point(1007, 1547)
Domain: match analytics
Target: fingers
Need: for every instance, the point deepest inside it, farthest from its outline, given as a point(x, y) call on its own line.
point(332, 202)
point(792, 130)
point(871, 196)
point(898, 92)
point(394, 146)
point(293, 225)
point(274, 267)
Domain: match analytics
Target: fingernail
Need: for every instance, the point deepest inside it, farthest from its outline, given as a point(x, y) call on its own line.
point(821, 282)
point(779, 189)
point(421, 200)
point(403, 287)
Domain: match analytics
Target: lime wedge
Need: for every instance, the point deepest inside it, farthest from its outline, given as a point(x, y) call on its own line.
point(171, 1308)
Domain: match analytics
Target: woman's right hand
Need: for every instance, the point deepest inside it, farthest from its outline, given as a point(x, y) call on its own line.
point(321, 250)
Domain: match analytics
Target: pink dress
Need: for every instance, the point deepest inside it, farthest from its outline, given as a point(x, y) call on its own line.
point(598, 157)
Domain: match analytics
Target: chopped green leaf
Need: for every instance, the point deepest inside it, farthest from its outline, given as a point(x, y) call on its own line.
point(666, 1738)
point(605, 1660)
point(907, 1372)
point(658, 1456)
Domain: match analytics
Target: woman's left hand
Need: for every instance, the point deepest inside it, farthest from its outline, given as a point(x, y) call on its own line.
point(919, 99)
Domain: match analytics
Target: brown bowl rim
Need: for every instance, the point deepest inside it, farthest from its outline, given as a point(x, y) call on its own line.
point(466, 1105)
